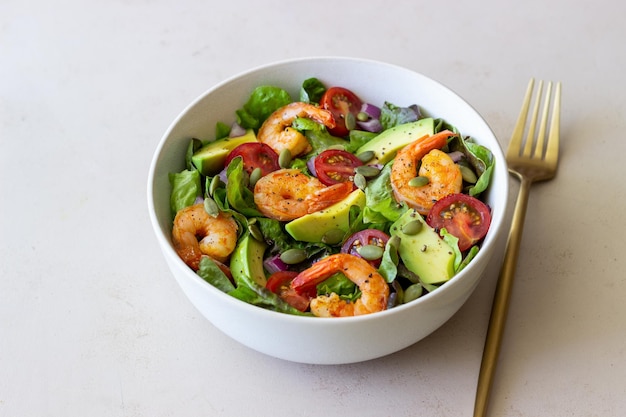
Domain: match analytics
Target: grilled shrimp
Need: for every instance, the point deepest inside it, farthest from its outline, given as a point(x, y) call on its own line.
point(277, 132)
point(196, 233)
point(374, 288)
point(287, 194)
point(444, 176)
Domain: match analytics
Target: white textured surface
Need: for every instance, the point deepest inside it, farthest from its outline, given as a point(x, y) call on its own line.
point(91, 321)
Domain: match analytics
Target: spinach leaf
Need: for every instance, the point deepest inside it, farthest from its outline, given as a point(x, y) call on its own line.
point(392, 115)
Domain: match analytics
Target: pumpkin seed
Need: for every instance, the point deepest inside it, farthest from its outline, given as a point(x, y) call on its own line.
point(413, 292)
point(333, 236)
point(255, 175)
point(370, 252)
point(362, 116)
point(293, 256)
point(255, 232)
point(412, 228)
point(468, 175)
point(367, 171)
point(366, 156)
point(360, 181)
point(419, 181)
point(211, 207)
point(350, 121)
point(284, 158)
point(216, 183)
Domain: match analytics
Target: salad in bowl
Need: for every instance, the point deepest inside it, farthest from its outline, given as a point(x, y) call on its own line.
point(263, 241)
point(329, 204)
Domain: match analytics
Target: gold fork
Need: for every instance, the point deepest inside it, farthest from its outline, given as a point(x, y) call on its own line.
point(530, 160)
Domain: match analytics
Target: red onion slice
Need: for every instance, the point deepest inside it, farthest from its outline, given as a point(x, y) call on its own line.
point(371, 110)
point(236, 130)
point(274, 264)
point(371, 125)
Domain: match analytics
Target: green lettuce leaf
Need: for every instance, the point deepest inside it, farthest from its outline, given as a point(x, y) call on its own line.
point(480, 158)
point(186, 186)
point(194, 145)
point(318, 136)
point(359, 138)
point(222, 130)
point(483, 161)
point(263, 101)
point(453, 241)
point(473, 251)
point(239, 196)
point(388, 266)
point(264, 298)
point(211, 273)
point(380, 204)
point(340, 285)
point(312, 90)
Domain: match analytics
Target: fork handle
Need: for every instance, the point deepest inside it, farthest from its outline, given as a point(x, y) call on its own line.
point(500, 305)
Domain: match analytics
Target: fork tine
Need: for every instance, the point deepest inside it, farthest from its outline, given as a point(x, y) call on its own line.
point(541, 135)
point(552, 149)
point(515, 144)
point(528, 148)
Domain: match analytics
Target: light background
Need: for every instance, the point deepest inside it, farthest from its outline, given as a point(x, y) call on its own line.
point(91, 321)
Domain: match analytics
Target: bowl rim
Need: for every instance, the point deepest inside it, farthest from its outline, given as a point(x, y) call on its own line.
point(167, 248)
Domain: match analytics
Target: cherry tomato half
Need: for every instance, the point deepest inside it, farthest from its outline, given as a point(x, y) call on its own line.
point(280, 284)
point(334, 166)
point(463, 216)
point(365, 237)
point(340, 101)
point(255, 155)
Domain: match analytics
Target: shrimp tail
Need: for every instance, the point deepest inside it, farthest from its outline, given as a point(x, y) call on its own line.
point(436, 141)
point(328, 196)
point(315, 274)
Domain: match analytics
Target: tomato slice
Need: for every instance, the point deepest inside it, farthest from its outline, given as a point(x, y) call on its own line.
point(280, 283)
point(255, 155)
point(365, 237)
point(463, 216)
point(340, 101)
point(334, 166)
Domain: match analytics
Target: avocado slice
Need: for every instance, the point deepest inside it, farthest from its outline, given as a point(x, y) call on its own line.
point(424, 253)
point(312, 227)
point(246, 262)
point(210, 158)
point(388, 143)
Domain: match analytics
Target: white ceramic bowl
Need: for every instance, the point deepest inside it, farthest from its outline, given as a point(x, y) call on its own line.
point(309, 339)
